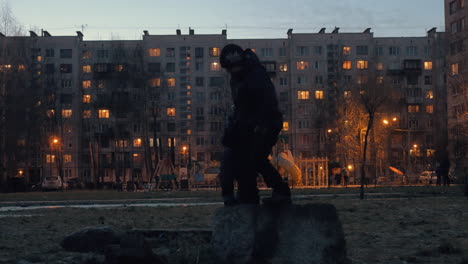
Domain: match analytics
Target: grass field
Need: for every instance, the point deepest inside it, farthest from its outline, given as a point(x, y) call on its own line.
point(428, 225)
point(80, 195)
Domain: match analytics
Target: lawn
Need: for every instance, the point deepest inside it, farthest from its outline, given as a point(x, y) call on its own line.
point(429, 225)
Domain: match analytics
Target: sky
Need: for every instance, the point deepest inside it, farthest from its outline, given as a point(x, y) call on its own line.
point(126, 20)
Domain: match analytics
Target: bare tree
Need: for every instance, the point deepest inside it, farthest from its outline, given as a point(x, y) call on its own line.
point(9, 24)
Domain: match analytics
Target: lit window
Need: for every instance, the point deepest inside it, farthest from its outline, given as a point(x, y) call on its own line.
point(154, 52)
point(380, 66)
point(302, 95)
point(137, 142)
point(215, 66)
point(302, 65)
point(86, 84)
point(87, 68)
point(103, 113)
point(171, 111)
point(283, 67)
point(346, 50)
point(171, 82)
point(87, 114)
point(21, 67)
point(380, 79)
point(86, 54)
point(50, 113)
point(67, 158)
point(362, 79)
point(39, 58)
point(120, 68)
point(429, 94)
point(86, 99)
point(285, 126)
point(455, 68)
point(430, 109)
point(319, 95)
point(347, 94)
point(66, 113)
point(428, 65)
point(362, 64)
point(121, 143)
point(155, 82)
point(413, 108)
point(347, 65)
point(215, 52)
point(50, 158)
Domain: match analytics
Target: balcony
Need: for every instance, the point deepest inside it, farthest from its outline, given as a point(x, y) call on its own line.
point(412, 67)
point(270, 67)
point(394, 72)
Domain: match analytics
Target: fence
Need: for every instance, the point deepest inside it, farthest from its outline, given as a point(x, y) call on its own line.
point(314, 172)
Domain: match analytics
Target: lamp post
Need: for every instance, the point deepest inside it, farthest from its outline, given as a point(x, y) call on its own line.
point(55, 147)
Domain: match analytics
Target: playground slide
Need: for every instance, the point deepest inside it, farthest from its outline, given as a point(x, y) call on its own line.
point(285, 160)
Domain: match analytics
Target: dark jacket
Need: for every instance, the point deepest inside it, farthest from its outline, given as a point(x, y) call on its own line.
point(255, 104)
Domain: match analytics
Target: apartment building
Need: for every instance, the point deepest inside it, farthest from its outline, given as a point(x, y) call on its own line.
point(111, 109)
point(457, 92)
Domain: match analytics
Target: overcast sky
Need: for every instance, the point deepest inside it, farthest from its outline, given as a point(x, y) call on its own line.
point(125, 19)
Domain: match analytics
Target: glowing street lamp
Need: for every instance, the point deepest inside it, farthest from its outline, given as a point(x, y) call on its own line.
point(385, 121)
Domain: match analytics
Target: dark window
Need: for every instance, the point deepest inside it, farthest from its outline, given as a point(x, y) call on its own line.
point(216, 81)
point(50, 53)
point(284, 96)
point(453, 6)
point(199, 81)
point(154, 67)
point(170, 67)
point(379, 51)
point(66, 98)
point(49, 68)
point(269, 66)
point(427, 80)
point(394, 50)
point(413, 80)
point(362, 50)
point(171, 127)
point(170, 52)
point(199, 52)
point(318, 50)
point(65, 53)
point(102, 54)
point(65, 68)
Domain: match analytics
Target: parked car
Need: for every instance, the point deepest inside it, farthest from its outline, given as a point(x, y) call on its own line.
point(74, 183)
point(52, 183)
point(427, 177)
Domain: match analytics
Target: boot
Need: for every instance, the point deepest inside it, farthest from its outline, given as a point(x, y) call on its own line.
point(230, 200)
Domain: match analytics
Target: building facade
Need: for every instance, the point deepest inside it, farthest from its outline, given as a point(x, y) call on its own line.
point(108, 111)
point(457, 92)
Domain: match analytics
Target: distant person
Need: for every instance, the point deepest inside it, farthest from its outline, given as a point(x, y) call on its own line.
point(345, 176)
point(438, 172)
point(444, 171)
point(251, 132)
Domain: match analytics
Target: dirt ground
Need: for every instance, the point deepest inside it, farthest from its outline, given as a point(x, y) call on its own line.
point(431, 229)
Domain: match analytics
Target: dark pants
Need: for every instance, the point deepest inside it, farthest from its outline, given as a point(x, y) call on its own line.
point(236, 166)
point(445, 180)
point(243, 163)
